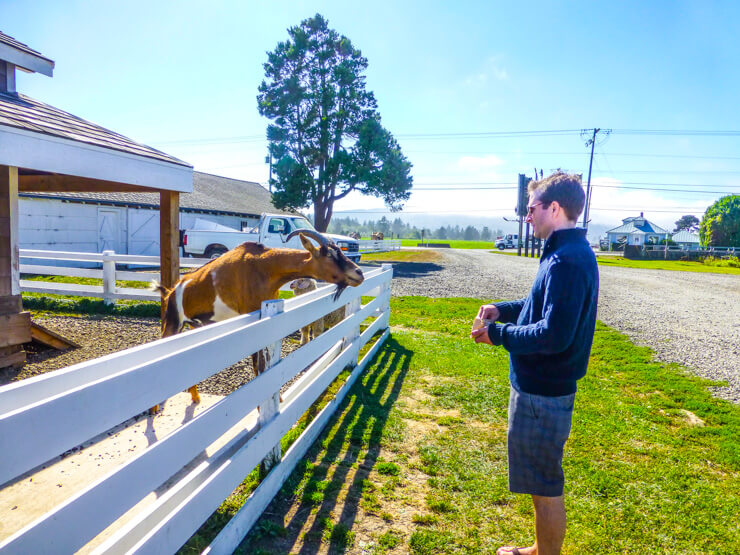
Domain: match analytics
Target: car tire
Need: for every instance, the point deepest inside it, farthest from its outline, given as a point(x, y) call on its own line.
point(501, 246)
point(214, 252)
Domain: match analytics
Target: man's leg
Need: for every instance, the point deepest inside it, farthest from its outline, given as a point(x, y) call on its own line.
point(550, 520)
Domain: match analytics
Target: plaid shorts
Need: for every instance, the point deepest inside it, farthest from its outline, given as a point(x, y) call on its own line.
point(539, 426)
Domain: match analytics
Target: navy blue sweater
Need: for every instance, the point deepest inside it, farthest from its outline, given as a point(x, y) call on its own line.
point(549, 334)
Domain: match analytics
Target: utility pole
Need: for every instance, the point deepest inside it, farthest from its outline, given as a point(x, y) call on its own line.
point(592, 143)
point(592, 140)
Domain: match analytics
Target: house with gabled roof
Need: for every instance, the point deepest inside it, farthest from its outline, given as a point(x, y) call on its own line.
point(46, 150)
point(637, 230)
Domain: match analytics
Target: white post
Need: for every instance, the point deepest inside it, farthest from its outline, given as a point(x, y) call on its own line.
point(386, 286)
point(269, 409)
point(349, 309)
point(109, 277)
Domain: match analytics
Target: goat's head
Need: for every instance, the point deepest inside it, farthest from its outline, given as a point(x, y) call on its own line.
point(328, 262)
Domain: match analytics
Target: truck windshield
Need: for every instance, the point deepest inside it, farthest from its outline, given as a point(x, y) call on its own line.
point(302, 223)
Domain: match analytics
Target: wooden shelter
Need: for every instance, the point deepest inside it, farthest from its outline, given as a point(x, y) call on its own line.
point(44, 149)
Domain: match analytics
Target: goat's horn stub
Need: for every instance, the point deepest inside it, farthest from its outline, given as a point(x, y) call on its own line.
point(309, 233)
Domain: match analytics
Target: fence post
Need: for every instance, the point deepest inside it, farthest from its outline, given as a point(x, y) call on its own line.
point(349, 309)
point(109, 277)
point(386, 287)
point(271, 406)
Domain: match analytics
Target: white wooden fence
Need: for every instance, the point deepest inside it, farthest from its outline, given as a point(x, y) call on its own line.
point(369, 245)
point(44, 416)
point(109, 273)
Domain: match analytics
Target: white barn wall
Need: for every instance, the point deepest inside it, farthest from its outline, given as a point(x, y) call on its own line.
point(51, 224)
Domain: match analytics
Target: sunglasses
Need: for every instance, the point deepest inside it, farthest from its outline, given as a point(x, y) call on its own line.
point(531, 207)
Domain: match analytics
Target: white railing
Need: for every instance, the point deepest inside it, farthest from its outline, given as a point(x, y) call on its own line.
point(109, 273)
point(369, 245)
point(44, 416)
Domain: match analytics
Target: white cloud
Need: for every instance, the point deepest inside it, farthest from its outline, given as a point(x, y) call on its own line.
point(492, 70)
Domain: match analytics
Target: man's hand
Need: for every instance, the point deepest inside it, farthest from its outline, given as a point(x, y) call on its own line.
point(481, 335)
point(489, 312)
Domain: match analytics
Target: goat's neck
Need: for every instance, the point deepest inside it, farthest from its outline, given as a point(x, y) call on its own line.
point(288, 266)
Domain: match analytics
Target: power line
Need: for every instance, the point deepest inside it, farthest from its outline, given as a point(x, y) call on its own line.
point(597, 186)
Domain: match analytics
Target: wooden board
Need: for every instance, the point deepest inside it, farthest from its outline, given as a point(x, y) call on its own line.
point(51, 339)
point(12, 356)
point(15, 329)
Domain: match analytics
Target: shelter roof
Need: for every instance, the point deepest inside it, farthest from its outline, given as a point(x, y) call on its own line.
point(23, 112)
point(211, 193)
point(685, 236)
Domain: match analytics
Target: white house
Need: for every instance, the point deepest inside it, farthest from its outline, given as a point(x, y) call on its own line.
point(128, 223)
point(637, 231)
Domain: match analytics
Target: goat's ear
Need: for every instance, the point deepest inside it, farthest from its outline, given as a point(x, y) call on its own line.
point(308, 245)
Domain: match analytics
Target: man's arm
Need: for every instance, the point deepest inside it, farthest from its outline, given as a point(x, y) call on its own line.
point(565, 294)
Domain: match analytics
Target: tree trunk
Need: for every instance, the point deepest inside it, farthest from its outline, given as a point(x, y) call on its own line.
point(320, 220)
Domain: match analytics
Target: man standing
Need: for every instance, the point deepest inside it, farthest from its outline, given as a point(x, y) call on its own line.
point(548, 336)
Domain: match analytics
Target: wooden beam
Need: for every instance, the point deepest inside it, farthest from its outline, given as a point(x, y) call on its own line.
point(10, 304)
point(9, 262)
point(55, 183)
point(169, 238)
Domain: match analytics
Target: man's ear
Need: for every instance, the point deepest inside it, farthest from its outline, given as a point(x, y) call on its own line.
point(308, 245)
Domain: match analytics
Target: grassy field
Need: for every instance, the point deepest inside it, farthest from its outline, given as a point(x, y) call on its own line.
point(672, 265)
point(421, 255)
point(415, 461)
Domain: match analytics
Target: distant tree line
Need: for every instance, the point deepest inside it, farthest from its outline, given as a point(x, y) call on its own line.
point(398, 229)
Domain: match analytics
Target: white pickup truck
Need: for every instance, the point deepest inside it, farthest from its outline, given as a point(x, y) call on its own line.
point(210, 240)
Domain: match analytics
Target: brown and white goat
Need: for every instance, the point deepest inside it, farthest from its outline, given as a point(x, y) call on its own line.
point(314, 329)
point(239, 281)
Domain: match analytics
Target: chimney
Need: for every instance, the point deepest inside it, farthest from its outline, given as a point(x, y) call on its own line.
point(14, 54)
point(7, 77)
point(641, 214)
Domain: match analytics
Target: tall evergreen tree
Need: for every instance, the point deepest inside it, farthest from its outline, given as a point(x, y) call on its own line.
point(325, 136)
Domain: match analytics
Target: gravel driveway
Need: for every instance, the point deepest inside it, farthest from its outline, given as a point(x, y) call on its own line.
point(689, 318)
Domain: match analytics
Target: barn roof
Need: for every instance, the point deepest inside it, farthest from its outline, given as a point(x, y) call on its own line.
point(211, 193)
point(23, 112)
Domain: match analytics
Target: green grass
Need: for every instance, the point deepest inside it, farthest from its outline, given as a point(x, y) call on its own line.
point(672, 265)
point(640, 477)
point(454, 244)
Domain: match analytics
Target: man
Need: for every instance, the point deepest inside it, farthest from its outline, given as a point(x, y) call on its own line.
point(548, 336)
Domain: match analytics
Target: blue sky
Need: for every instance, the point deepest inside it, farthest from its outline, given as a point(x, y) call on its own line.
point(183, 77)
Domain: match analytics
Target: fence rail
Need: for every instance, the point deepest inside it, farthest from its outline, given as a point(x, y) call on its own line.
point(109, 273)
point(369, 245)
point(44, 416)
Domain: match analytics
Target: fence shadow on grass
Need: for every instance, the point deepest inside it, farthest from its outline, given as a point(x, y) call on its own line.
point(351, 441)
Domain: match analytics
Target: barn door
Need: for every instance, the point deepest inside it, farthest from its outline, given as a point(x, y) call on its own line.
point(110, 229)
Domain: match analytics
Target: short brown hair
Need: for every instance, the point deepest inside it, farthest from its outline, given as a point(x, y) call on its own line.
point(564, 188)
